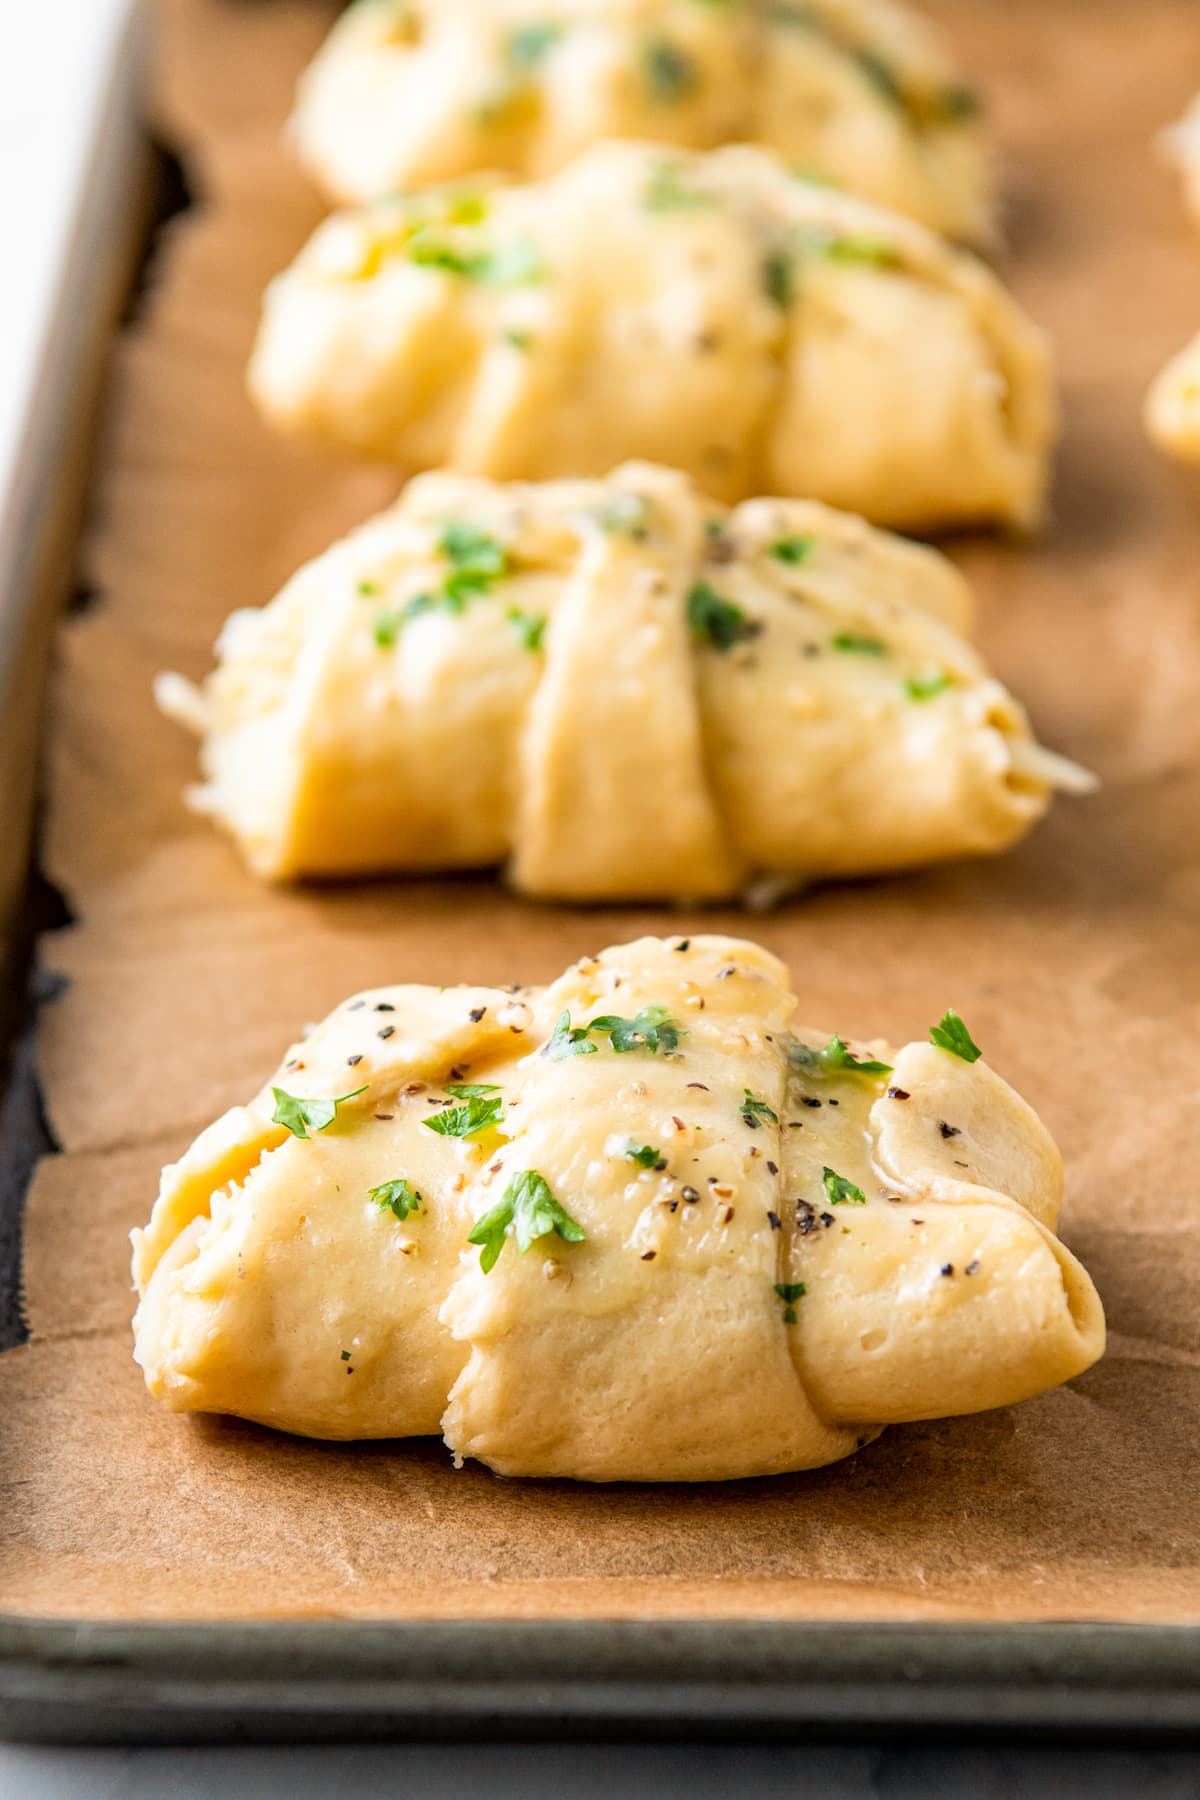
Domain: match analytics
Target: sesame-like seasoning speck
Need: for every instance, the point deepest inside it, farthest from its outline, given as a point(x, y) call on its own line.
point(725, 1215)
point(775, 1221)
point(972, 1267)
point(356, 1006)
point(476, 1013)
point(683, 944)
point(294, 1064)
point(895, 1093)
point(352, 1060)
point(835, 1103)
point(809, 1100)
point(723, 974)
point(826, 1219)
point(773, 1167)
point(948, 1131)
point(690, 1196)
point(385, 1118)
point(384, 1006)
point(649, 1255)
point(699, 1084)
point(947, 1268)
point(387, 1032)
point(677, 1122)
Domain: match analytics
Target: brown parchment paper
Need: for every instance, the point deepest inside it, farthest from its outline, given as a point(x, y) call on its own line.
point(1076, 959)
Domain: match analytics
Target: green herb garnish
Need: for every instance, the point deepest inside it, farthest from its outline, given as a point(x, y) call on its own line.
point(925, 687)
point(470, 1090)
point(387, 624)
point(789, 1292)
point(528, 626)
point(755, 1111)
point(651, 1030)
point(367, 589)
point(839, 1191)
point(779, 278)
point(530, 1211)
point(793, 550)
point(670, 189)
point(511, 265)
point(529, 45)
point(302, 1116)
point(834, 1058)
point(568, 1040)
point(645, 1155)
point(716, 621)
point(854, 644)
point(480, 1113)
point(669, 71)
point(951, 1034)
point(396, 1197)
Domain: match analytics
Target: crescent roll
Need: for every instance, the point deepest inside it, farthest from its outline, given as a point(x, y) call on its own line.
point(638, 1225)
point(1172, 410)
point(409, 92)
point(620, 686)
point(712, 312)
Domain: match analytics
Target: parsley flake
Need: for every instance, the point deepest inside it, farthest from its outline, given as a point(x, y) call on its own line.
point(834, 1057)
point(480, 1113)
point(645, 1155)
point(568, 1040)
point(396, 1197)
point(529, 45)
point(755, 1111)
point(651, 1030)
point(854, 643)
point(839, 1191)
point(470, 1090)
point(368, 590)
point(529, 1210)
point(925, 687)
point(529, 628)
point(670, 189)
point(779, 278)
point(515, 264)
point(669, 71)
point(951, 1034)
point(789, 1292)
point(716, 621)
point(302, 1116)
point(794, 550)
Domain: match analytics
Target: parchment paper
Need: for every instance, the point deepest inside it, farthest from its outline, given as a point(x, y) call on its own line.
point(1076, 958)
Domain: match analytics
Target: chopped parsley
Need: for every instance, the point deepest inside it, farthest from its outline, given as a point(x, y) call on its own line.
point(397, 1197)
point(855, 644)
point(926, 687)
point(951, 1034)
point(480, 1113)
point(302, 1116)
point(368, 590)
point(645, 1155)
point(755, 1111)
point(651, 1030)
point(511, 265)
point(477, 562)
point(387, 624)
point(789, 1292)
point(779, 278)
point(529, 628)
point(793, 550)
point(568, 1040)
point(670, 189)
point(833, 1058)
point(839, 1191)
point(669, 71)
point(716, 621)
point(529, 45)
point(516, 339)
point(529, 1210)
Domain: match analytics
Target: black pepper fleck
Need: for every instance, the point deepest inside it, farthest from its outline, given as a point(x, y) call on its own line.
point(702, 1085)
point(773, 1167)
point(384, 1006)
point(476, 1013)
point(948, 1131)
point(947, 1268)
point(806, 1217)
point(972, 1267)
point(690, 1196)
point(385, 1118)
point(351, 1061)
point(894, 1093)
point(356, 1006)
point(683, 944)
point(835, 1103)
point(387, 1032)
point(775, 1221)
point(649, 1255)
point(809, 1100)
point(826, 1219)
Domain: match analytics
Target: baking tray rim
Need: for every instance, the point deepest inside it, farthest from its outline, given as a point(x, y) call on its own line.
point(92, 1681)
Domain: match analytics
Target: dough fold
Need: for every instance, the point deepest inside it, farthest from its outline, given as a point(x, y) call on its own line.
point(409, 92)
point(713, 312)
point(760, 1255)
point(623, 687)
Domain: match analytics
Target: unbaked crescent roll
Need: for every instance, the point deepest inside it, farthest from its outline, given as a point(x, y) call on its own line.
point(619, 686)
point(713, 312)
point(409, 92)
point(638, 1225)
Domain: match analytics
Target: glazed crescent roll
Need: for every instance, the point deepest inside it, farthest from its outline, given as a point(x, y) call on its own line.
point(410, 92)
point(619, 686)
point(713, 312)
point(638, 1225)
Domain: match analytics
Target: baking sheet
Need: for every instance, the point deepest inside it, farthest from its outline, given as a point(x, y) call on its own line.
point(1075, 959)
